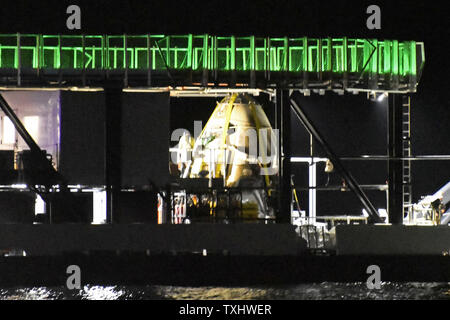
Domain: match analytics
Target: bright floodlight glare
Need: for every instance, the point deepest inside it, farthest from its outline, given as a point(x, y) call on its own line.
point(381, 97)
point(99, 207)
point(39, 205)
point(19, 186)
point(31, 123)
point(9, 131)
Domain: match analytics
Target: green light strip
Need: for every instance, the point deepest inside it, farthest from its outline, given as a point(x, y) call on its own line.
point(199, 52)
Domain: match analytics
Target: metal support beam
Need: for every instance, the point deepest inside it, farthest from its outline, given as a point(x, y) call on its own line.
point(395, 150)
point(113, 105)
point(283, 123)
point(336, 162)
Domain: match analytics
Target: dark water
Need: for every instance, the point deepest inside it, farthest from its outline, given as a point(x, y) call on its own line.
point(319, 291)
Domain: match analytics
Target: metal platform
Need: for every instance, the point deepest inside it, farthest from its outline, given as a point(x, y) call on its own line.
point(235, 239)
point(392, 240)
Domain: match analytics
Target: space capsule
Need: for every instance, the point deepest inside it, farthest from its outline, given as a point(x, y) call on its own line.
point(239, 146)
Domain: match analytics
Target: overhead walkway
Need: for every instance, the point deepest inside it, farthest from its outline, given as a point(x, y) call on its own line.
point(204, 60)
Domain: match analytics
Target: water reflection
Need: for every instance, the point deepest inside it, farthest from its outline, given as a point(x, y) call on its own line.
point(319, 291)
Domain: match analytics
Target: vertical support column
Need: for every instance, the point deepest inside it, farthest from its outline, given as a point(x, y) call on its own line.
point(395, 174)
point(113, 105)
point(312, 170)
point(283, 123)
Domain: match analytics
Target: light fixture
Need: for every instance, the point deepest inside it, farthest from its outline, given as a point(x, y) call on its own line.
point(382, 96)
point(376, 96)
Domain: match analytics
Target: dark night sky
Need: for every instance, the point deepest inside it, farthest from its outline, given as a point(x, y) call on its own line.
point(425, 21)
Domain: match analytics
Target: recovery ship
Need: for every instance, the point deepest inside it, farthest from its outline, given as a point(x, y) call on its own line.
point(93, 176)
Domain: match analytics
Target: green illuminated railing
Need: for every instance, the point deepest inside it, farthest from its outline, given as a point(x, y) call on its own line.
point(200, 52)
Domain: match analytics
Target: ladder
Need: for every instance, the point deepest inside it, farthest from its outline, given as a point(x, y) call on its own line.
point(406, 147)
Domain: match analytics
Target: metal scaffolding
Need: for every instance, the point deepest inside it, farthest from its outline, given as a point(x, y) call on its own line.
point(146, 60)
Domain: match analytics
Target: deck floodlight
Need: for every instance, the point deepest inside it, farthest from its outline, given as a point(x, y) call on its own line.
point(382, 96)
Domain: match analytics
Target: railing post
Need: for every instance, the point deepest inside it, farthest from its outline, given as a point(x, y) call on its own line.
point(345, 63)
point(83, 59)
point(19, 61)
point(125, 44)
point(149, 62)
point(252, 62)
point(305, 62)
point(205, 71)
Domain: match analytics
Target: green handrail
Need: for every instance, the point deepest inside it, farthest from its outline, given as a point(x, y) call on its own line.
point(199, 52)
